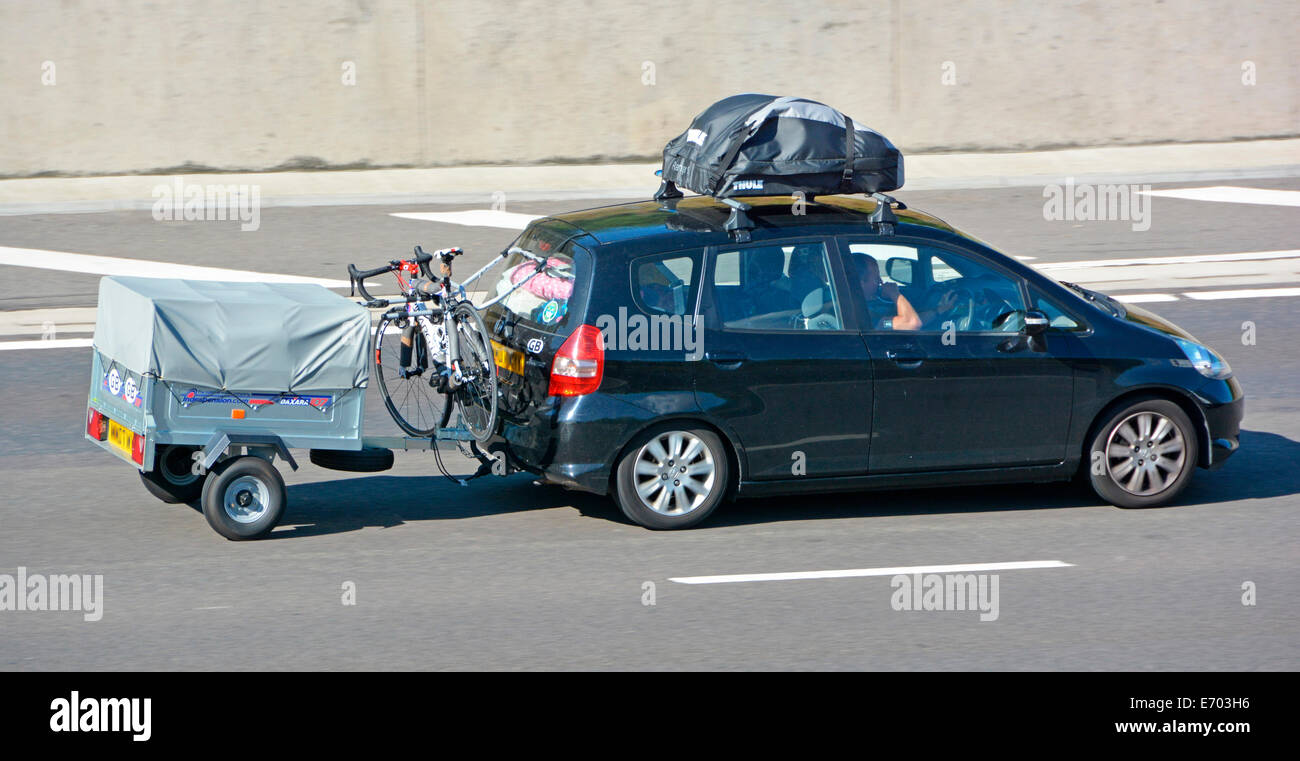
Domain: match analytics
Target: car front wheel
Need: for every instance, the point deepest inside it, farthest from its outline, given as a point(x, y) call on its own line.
point(672, 477)
point(1143, 455)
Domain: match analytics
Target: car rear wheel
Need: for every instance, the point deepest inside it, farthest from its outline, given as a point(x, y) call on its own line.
point(1143, 455)
point(672, 477)
point(173, 478)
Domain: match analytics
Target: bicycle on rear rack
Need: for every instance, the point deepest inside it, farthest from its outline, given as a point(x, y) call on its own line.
point(432, 350)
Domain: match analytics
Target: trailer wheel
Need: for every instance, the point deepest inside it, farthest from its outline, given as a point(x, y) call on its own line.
point(243, 498)
point(173, 478)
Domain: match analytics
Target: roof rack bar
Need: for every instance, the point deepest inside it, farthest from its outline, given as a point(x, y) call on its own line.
point(738, 222)
point(667, 189)
point(883, 218)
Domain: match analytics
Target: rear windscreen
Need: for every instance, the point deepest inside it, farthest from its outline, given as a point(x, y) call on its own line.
point(539, 279)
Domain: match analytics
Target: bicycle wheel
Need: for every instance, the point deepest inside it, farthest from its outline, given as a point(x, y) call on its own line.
point(476, 397)
point(408, 376)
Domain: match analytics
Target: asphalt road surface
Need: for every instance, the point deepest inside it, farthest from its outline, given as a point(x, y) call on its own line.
point(503, 574)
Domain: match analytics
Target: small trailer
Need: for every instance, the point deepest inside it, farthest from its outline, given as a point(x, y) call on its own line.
point(202, 385)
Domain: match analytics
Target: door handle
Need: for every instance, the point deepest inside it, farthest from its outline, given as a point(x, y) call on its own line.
point(725, 359)
point(906, 359)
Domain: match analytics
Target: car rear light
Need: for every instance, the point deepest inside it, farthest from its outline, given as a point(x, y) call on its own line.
point(96, 425)
point(579, 365)
point(137, 449)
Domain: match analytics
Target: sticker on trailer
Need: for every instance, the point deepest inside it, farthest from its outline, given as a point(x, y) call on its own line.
point(257, 401)
point(123, 386)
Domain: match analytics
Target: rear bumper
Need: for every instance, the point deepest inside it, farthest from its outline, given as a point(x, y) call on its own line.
point(572, 441)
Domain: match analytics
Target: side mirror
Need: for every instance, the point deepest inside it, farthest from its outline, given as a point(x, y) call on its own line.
point(1036, 323)
point(899, 270)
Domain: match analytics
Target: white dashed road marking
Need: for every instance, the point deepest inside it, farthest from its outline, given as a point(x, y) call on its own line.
point(55, 343)
point(859, 572)
point(1193, 273)
point(1144, 298)
point(1232, 194)
point(112, 265)
point(508, 220)
point(1248, 293)
point(1245, 256)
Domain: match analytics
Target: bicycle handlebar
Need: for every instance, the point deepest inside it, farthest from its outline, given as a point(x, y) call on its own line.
point(357, 282)
point(357, 278)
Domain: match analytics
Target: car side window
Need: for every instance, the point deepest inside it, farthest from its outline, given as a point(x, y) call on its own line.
point(941, 288)
point(665, 283)
point(970, 294)
point(1057, 317)
point(896, 264)
point(775, 287)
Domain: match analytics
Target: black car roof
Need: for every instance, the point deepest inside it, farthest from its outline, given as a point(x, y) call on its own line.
point(698, 220)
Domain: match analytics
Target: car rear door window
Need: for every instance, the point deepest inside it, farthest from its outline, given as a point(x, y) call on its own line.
point(665, 283)
point(776, 287)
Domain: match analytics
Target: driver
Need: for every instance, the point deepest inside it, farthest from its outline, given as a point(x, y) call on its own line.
point(887, 307)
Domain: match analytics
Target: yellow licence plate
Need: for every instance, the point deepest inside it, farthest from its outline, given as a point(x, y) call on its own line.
point(121, 437)
point(508, 359)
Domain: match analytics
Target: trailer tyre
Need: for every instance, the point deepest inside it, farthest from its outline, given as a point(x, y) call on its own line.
point(243, 498)
point(173, 478)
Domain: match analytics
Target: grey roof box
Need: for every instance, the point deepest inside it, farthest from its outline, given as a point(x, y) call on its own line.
point(764, 145)
point(254, 337)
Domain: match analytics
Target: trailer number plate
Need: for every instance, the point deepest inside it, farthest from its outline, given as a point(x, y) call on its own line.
point(121, 437)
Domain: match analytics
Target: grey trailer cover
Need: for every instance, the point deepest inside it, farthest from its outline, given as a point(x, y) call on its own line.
point(285, 337)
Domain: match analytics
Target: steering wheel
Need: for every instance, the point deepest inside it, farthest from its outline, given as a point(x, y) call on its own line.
point(962, 313)
point(993, 308)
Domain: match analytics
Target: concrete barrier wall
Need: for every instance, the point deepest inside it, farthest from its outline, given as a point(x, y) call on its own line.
point(125, 86)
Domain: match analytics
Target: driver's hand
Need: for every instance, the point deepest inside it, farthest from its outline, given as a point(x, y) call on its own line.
point(890, 291)
point(947, 302)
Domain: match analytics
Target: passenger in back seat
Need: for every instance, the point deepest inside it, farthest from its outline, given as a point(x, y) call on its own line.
point(766, 288)
point(807, 272)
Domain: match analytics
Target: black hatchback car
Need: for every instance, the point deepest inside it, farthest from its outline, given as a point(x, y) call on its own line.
point(671, 362)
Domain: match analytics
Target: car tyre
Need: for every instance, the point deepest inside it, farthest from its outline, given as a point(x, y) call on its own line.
point(243, 498)
point(672, 477)
point(1143, 455)
point(173, 479)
